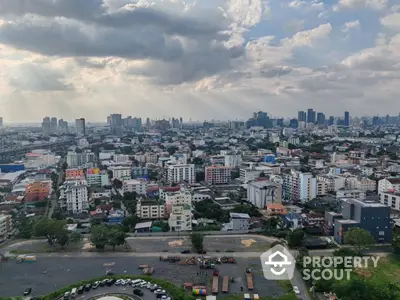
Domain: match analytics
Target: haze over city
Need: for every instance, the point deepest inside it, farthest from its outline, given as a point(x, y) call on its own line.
point(207, 59)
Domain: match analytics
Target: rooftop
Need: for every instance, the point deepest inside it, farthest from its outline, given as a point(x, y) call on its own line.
point(239, 216)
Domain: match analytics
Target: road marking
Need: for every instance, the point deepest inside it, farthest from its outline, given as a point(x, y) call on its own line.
point(109, 264)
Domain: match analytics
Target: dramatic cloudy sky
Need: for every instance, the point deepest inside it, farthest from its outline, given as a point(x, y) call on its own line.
point(199, 59)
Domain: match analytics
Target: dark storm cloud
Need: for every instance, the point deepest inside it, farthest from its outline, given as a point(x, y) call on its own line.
point(36, 78)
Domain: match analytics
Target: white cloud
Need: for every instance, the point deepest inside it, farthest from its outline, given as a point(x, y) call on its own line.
point(301, 4)
point(371, 4)
point(351, 25)
point(309, 37)
point(392, 21)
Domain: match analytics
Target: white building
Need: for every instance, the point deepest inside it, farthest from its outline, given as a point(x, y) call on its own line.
point(179, 173)
point(100, 179)
point(121, 173)
point(250, 174)
point(76, 160)
point(76, 197)
point(120, 158)
point(353, 193)
point(133, 185)
point(150, 209)
point(238, 222)
point(365, 184)
point(322, 188)
point(177, 198)
point(217, 175)
point(40, 159)
point(334, 183)
point(262, 193)
point(233, 160)
point(389, 184)
point(308, 186)
point(180, 218)
point(5, 226)
point(391, 199)
point(83, 143)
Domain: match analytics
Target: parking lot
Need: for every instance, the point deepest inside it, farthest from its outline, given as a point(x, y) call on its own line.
point(211, 244)
point(49, 274)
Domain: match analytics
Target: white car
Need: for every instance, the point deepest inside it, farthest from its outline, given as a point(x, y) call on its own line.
point(118, 282)
point(296, 290)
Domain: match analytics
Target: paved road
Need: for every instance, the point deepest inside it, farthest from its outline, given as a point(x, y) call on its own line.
point(114, 289)
point(298, 281)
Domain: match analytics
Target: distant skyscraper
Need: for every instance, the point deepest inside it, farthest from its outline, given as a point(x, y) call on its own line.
point(62, 126)
point(53, 125)
point(302, 116)
point(310, 116)
point(1, 122)
point(321, 118)
point(294, 123)
point(116, 124)
point(346, 121)
point(80, 125)
point(46, 126)
point(331, 121)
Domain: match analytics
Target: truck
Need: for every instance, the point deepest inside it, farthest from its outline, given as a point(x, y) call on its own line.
point(249, 276)
point(225, 284)
point(215, 285)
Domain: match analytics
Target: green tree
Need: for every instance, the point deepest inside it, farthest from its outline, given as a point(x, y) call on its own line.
point(117, 183)
point(366, 289)
point(116, 237)
point(99, 236)
point(131, 221)
point(52, 229)
point(396, 244)
point(295, 238)
point(64, 166)
point(171, 150)
point(200, 176)
point(25, 228)
point(359, 238)
point(197, 240)
point(162, 224)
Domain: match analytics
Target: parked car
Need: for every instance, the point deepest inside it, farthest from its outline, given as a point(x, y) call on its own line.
point(187, 251)
point(110, 282)
point(81, 289)
point(88, 287)
point(66, 296)
point(137, 292)
point(27, 291)
point(296, 290)
point(96, 284)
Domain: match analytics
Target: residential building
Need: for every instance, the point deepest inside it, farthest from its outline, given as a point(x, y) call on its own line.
point(80, 125)
point(371, 216)
point(133, 185)
point(308, 186)
point(353, 193)
point(120, 158)
point(180, 173)
point(76, 160)
point(5, 226)
point(389, 184)
point(391, 199)
point(97, 177)
point(262, 193)
point(252, 173)
point(149, 209)
point(322, 188)
point(140, 172)
point(177, 198)
point(365, 184)
point(298, 186)
point(74, 173)
point(232, 160)
point(180, 218)
point(163, 191)
point(37, 191)
point(77, 197)
point(238, 222)
point(121, 173)
point(217, 175)
point(334, 183)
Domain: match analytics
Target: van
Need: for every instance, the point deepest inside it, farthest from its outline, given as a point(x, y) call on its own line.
point(134, 282)
point(66, 296)
point(73, 293)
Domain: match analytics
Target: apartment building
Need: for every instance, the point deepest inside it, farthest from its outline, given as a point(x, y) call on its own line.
point(37, 191)
point(252, 173)
point(334, 183)
point(133, 185)
point(217, 175)
point(352, 193)
point(121, 173)
point(389, 184)
point(120, 158)
point(74, 173)
point(76, 160)
point(180, 218)
point(5, 226)
point(232, 160)
point(262, 193)
point(140, 172)
point(180, 173)
point(391, 199)
point(150, 210)
point(76, 195)
point(299, 186)
point(97, 177)
point(177, 198)
point(322, 188)
point(238, 222)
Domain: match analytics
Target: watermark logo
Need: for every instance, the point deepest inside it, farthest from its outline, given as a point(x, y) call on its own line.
point(335, 267)
point(277, 263)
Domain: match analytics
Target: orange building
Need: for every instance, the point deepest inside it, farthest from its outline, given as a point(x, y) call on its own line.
point(37, 191)
point(276, 209)
point(74, 173)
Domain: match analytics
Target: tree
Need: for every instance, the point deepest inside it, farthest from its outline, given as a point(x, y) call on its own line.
point(64, 166)
point(200, 176)
point(131, 221)
point(52, 229)
point(197, 241)
point(25, 228)
point(99, 236)
point(117, 183)
point(359, 238)
point(396, 244)
point(171, 150)
point(295, 238)
point(163, 225)
point(116, 237)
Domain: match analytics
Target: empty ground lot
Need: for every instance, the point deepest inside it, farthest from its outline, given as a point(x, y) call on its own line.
point(211, 244)
point(52, 273)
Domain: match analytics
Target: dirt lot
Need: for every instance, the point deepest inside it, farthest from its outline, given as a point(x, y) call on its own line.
point(211, 243)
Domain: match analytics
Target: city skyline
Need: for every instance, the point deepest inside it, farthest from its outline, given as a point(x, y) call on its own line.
point(209, 59)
